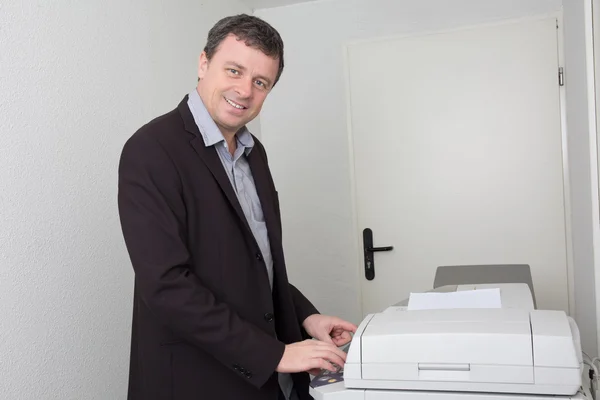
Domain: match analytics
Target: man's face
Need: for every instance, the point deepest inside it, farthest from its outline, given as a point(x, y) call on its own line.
point(235, 83)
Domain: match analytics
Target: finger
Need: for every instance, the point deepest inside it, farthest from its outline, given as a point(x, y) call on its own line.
point(325, 343)
point(324, 334)
point(342, 354)
point(338, 329)
point(333, 357)
point(332, 347)
point(322, 364)
point(345, 325)
point(325, 338)
point(339, 341)
point(341, 334)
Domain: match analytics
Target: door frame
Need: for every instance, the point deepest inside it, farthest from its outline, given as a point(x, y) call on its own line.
point(592, 44)
point(357, 238)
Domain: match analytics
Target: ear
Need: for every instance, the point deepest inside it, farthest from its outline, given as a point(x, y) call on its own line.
point(202, 65)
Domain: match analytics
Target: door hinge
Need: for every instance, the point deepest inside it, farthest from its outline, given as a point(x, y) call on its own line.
point(561, 76)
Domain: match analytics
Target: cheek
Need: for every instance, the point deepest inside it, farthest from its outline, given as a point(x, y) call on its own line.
point(218, 85)
point(259, 99)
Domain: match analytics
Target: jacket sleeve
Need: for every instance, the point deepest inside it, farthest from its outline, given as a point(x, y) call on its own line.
point(153, 215)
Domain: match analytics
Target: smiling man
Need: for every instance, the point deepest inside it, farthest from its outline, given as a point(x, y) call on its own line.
point(215, 316)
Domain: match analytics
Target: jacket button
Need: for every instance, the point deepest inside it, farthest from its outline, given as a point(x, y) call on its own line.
point(248, 375)
point(268, 317)
point(259, 257)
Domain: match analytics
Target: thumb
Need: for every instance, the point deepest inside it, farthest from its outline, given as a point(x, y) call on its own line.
point(324, 337)
point(346, 325)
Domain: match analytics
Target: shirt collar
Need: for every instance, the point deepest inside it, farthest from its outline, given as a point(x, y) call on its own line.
point(211, 134)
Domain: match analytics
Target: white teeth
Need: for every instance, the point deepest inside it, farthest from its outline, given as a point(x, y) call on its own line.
point(234, 104)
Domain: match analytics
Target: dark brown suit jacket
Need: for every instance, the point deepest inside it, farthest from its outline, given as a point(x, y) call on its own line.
point(204, 317)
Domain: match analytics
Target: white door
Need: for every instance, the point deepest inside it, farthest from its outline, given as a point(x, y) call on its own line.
point(457, 151)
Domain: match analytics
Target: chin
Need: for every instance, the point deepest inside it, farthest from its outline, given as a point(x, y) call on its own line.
point(234, 120)
point(233, 123)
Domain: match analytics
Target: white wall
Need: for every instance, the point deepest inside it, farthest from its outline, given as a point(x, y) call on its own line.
point(77, 79)
point(579, 86)
point(303, 125)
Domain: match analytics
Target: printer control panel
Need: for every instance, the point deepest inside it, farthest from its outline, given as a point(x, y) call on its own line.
point(326, 377)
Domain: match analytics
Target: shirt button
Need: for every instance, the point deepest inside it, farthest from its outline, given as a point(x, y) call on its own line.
point(259, 257)
point(268, 317)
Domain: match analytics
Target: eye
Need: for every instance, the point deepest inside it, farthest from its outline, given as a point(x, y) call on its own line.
point(261, 83)
point(234, 71)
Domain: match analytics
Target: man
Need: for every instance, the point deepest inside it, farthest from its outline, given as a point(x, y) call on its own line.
point(214, 314)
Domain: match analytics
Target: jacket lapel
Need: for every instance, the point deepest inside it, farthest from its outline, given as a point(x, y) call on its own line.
point(258, 167)
point(210, 157)
point(260, 174)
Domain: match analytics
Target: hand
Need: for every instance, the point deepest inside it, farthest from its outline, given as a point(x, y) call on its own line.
point(311, 356)
point(329, 329)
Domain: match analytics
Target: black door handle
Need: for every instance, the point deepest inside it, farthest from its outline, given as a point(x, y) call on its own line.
point(387, 248)
point(369, 250)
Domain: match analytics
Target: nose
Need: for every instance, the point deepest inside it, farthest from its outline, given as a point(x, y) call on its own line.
point(244, 87)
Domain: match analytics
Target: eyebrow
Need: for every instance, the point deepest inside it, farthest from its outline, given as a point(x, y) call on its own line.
point(242, 68)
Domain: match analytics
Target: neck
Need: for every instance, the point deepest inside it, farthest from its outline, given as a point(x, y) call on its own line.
point(231, 142)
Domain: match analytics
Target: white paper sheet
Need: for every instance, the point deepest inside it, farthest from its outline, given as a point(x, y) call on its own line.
point(481, 298)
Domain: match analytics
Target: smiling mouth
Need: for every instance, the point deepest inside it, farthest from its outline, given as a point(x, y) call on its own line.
point(234, 104)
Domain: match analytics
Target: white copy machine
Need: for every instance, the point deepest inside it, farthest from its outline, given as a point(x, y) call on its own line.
point(511, 352)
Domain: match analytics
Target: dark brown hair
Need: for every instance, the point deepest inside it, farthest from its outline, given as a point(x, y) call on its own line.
point(253, 31)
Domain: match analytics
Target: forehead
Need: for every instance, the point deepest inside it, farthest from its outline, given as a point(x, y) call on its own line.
point(233, 50)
